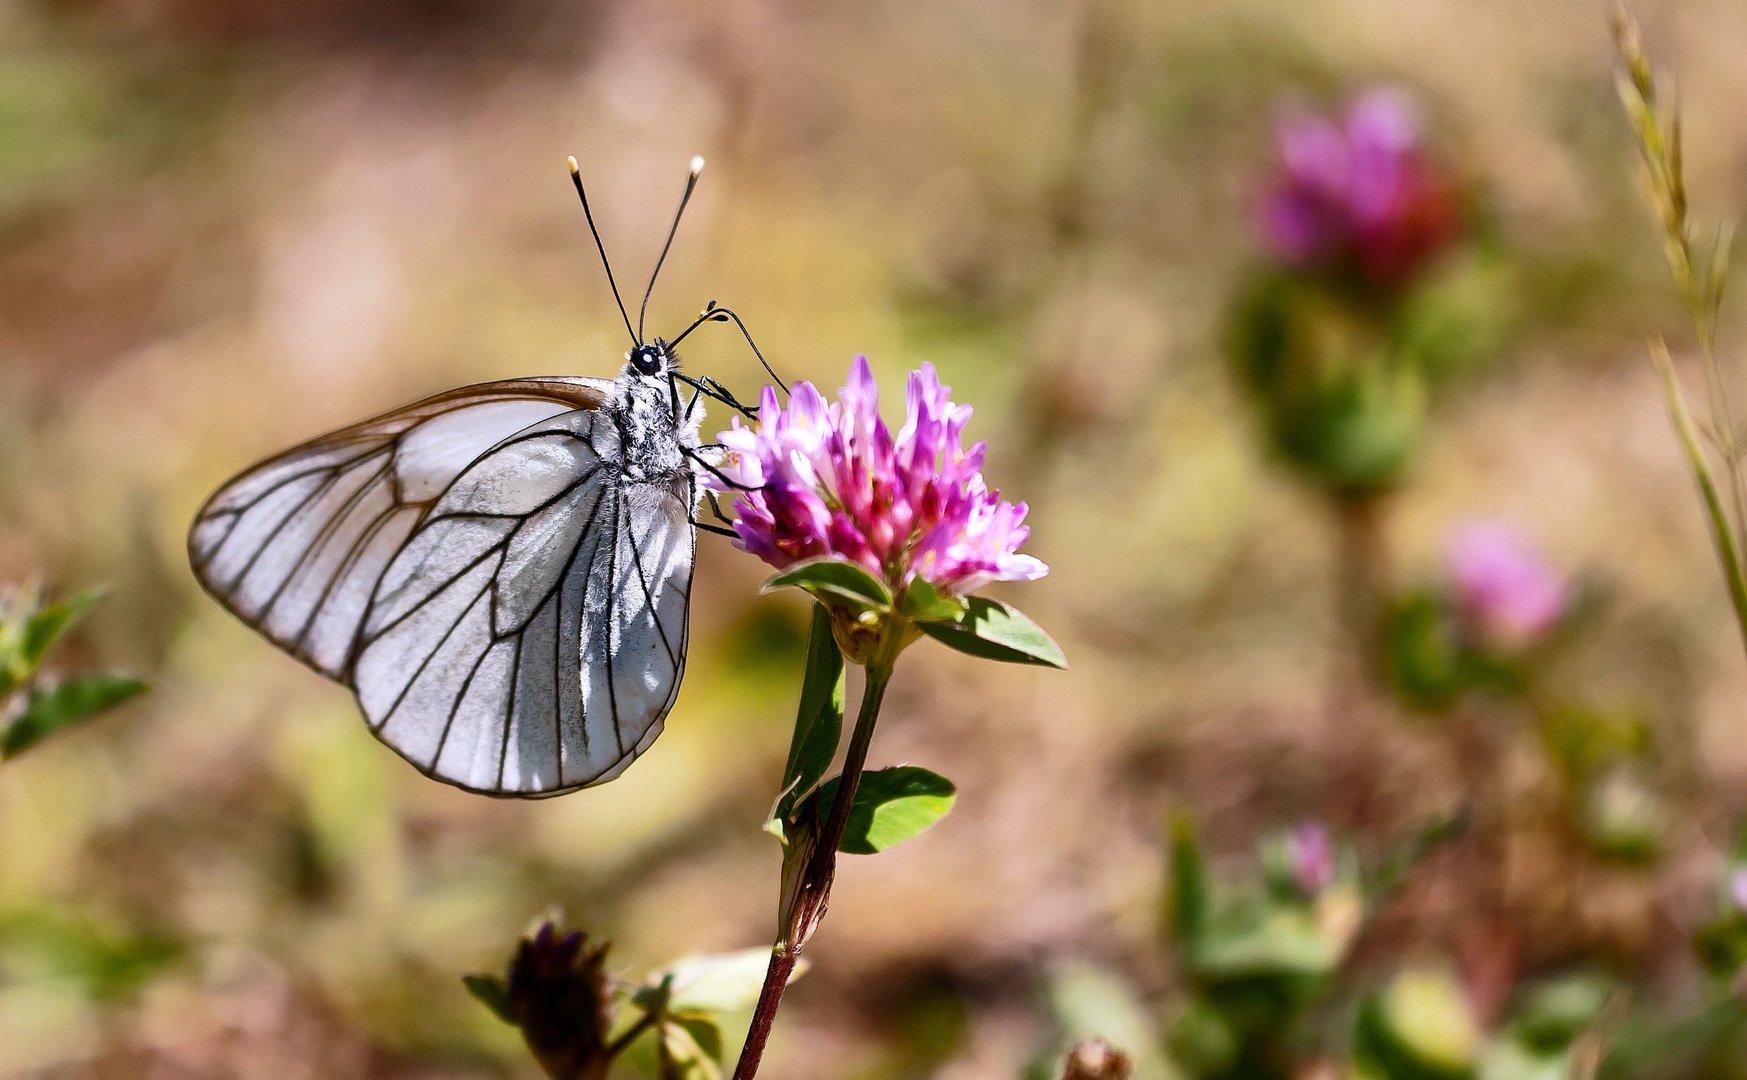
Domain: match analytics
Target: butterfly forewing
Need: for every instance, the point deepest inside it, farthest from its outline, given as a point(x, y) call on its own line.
point(295, 545)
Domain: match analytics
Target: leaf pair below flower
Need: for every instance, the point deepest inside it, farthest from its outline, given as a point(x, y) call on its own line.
point(974, 625)
point(835, 581)
point(994, 631)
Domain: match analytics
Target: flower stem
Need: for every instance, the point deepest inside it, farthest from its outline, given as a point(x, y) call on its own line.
point(1364, 576)
point(1721, 532)
point(815, 889)
point(1350, 707)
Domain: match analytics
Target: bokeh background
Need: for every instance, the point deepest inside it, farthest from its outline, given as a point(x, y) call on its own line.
point(228, 227)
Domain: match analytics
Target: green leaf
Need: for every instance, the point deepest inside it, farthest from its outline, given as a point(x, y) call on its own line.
point(1276, 943)
point(834, 580)
point(1507, 1059)
point(68, 703)
point(1191, 888)
point(1422, 653)
point(492, 993)
point(994, 631)
point(1721, 945)
point(724, 982)
point(1401, 860)
point(891, 805)
point(705, 1032)
point(1419, 1027)
point(50, 624)
point(924, 603)
point(110, 963)
point(818, 721)
point(682, 1058)
point(1556, 1012)
point(1651, 1046)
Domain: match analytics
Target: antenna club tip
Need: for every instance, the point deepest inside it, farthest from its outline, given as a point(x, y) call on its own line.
point(697, 164)
point(574, 169)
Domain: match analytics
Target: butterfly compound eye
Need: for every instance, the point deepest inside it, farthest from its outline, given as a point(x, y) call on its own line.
point(646, 359)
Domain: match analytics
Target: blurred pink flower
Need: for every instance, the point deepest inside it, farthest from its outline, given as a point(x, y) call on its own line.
point(1364, 194)
point(1311, 857)
point(829, 479)
point(1738, 887)
point(1508, 594)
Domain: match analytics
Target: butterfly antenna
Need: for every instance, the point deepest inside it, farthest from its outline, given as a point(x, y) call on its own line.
point(576, 178)
point(690, 183)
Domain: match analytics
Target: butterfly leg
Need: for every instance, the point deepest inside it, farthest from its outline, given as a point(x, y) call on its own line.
point(729, 397)
point(715, 392)
point(717, 529)
point(717, 473)
point(716, 508)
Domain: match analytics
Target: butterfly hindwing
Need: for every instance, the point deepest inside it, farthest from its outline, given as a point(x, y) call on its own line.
point(528, 637)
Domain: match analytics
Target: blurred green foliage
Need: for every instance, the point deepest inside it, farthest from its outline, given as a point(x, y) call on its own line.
point(108, 964)
point(1338, 400)
point(1343, 379)
point(31, 708)
point(1256, 957)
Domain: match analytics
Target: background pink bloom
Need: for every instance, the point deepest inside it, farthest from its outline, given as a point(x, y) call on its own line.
point(1362, 193)
point(831, 480)
point(1507, 592)
point(1311, 857)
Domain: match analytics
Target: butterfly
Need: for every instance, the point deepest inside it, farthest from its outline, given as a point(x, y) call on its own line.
point(500, 573)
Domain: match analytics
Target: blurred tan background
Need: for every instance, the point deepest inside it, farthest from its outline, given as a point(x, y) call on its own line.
point(228, 227)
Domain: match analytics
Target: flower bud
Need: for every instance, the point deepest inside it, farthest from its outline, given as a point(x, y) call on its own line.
point(1095, 1059)
point(559, 995)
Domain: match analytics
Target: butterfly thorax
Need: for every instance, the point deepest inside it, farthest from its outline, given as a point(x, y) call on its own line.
point(653, 420)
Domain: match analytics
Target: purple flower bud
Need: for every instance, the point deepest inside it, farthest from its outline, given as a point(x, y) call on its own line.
point(1508, 595)
point(1311, 858)
point(559, 994)
point(831, 480)
point(1360, 196)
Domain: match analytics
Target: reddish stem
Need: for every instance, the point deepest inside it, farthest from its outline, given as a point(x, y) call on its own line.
point(816, 886)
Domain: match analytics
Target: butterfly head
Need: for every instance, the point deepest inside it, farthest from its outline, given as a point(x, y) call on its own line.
point(654, 359)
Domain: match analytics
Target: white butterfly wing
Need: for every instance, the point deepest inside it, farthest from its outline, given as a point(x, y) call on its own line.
point(295, 545)
point(529, 636)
